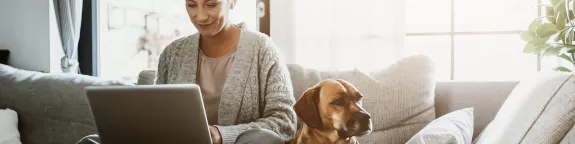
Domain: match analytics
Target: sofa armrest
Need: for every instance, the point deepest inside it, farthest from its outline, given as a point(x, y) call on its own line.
point(485, 97)
point(569, 137)
point(51, 107)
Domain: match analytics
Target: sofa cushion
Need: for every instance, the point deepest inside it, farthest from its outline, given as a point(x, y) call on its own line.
point(399, 98)
point(51, 108)
point(538, 110)
point(9, 127)
point(453, 128)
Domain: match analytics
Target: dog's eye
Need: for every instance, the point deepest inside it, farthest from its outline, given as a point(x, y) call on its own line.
point(339, 101)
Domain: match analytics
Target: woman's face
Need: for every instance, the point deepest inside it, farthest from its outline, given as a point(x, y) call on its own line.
point(209, 16)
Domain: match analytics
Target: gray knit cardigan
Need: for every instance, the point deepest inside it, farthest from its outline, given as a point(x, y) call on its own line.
point(257, 92)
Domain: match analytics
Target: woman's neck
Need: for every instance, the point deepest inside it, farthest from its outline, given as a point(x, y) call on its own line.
point(220, 44)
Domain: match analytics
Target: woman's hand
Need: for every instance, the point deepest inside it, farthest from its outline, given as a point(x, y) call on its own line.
point(216, 136)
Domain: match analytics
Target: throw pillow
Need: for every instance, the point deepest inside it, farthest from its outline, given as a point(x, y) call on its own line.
point(400, 98)
point(453, 128)
point(9, 127)
point(538, 110)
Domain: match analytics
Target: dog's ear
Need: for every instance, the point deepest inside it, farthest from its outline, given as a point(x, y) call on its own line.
point(307, 110)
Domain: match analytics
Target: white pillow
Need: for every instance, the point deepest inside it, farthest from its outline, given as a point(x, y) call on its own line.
point(9, 127)
point(453, 128)
point(399, 98)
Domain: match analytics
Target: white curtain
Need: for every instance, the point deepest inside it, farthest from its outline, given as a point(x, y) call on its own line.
point(69, 19)
point(341, 35)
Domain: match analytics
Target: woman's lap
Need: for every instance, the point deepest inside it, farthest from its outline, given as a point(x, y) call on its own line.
point(259, 136)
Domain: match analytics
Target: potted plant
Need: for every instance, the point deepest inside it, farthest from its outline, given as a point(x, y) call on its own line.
point(554, 33)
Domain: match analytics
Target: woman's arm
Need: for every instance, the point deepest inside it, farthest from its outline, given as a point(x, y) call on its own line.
point(278, 114)
point(162, 70)
point(164, 62)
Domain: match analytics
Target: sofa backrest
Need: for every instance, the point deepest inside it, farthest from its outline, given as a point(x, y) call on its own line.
point(52, 108)
point(485, 97)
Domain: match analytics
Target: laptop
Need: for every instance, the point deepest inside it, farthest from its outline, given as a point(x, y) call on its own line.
point(149, 114)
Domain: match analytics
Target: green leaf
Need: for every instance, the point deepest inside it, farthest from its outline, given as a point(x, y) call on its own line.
point(555, 2)
point(552, 51)
point(550, 14)
point(566, 57)
point(529, 48)
point(561, 21)
point(571, 51)
point(560, 36)
point(550, 10)
point(539, 41)
point(559, 8)
point(546, 30)
point(534, 25)
point(562, 69)
point(572, 13)
point(542, 48)
point(527, 36)
point(566, 35)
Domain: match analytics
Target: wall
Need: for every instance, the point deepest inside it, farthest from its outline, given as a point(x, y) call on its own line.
point(245, 11)
point(24, 30)
point(282, 27)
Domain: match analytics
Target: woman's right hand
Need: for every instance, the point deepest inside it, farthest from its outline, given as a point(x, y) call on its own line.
point(216, 136)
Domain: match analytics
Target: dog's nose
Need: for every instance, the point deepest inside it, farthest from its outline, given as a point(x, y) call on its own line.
point(361, 116)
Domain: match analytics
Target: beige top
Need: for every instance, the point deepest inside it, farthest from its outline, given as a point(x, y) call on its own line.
point(211, 79)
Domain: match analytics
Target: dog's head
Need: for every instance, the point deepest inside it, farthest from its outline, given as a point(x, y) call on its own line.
point(334, 104)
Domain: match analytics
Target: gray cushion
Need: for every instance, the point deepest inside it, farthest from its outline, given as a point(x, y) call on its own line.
point(146, 77)
point(51, 108)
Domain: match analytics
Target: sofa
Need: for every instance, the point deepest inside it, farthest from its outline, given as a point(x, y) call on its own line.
point(52, 108)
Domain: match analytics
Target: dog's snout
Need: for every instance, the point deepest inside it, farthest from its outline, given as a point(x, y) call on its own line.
point(361, 116)
point(360, 123)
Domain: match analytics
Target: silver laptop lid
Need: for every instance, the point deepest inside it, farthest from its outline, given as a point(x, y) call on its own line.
point(149, 114)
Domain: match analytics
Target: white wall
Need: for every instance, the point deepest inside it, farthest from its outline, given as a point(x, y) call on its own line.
point(245, 11)
point(24, 30)
point(282, 27)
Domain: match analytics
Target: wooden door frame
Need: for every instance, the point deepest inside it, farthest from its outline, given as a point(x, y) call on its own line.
point(264, 22)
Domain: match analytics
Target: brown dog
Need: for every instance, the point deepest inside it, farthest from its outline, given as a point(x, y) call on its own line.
point(332, 113)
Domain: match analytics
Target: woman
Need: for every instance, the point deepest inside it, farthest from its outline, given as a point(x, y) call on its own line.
point(246, 88)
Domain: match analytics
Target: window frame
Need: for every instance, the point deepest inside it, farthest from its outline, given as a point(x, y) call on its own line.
point(89, 42)
point(452, 33)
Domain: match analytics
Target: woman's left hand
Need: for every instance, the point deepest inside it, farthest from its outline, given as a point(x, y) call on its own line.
point(216, 136)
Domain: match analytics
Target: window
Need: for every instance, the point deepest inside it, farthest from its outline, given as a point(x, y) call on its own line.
point(133, 33)
point(469, 40)
point(472, 39)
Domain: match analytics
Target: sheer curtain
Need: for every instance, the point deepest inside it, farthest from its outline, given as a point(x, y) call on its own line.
point(69, 18)
point(342, 35)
